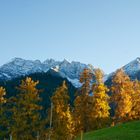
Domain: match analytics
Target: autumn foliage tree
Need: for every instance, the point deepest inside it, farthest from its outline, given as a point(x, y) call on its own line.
point(2, 94)
point(122, 90)
point(135, 111)
point(62, 120)
point(26, 116)
point(82, 103)
point(3, 118)
point(21, 116)
point(100, 105)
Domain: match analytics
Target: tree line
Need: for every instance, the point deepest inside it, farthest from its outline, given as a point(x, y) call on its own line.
point(95, 106)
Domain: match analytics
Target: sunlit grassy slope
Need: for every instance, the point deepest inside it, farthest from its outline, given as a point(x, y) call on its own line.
point(128, 131)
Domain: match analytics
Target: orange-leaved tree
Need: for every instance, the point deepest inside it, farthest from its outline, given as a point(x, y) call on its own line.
point(135, 111)
point(122, 90)
point(82, 103)
point(62, 120)
point(26, 116)
point(100, 112)
point(3, 118)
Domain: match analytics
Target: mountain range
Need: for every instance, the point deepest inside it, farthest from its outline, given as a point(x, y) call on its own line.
point(132, 69)
point(51, 74)
point(18, 67)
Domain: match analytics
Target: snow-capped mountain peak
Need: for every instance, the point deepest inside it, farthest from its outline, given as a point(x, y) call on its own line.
point(70, 70)
point(132, 67)
point(20, 67)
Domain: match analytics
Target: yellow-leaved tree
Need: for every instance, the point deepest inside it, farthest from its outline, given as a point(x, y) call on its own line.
point(26, 116)
point(135, 111)
point(100, 112)
point(3, 118)
point(122, 90)
point(62, 120)
point(2, 94)
point(82, 103)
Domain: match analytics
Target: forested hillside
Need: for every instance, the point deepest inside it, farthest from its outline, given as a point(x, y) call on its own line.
point(45, 105)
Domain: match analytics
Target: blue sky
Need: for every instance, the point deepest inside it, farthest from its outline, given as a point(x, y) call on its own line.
point(104, 33)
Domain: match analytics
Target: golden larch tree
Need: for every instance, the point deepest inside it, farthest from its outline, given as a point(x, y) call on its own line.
point(122, 90)
point(100, 104)
point(135, 111)
point(82, 103)
point(62, 120)
point(26, 116)
point(2, 94)
point(3, 118)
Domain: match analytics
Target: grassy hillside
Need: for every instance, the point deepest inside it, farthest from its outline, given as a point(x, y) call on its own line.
point(128, 131)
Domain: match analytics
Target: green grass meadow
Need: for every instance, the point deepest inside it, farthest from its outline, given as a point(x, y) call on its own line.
point(127, 131)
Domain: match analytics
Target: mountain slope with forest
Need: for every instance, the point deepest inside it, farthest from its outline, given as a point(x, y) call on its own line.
point(48, 83)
